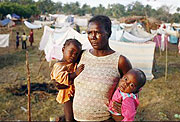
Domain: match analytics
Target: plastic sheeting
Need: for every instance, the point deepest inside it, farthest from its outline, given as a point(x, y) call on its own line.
point(32, 26)
point(5, 22)
point(141, 55)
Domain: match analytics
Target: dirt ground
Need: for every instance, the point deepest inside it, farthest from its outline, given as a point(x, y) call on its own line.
point(159, 99)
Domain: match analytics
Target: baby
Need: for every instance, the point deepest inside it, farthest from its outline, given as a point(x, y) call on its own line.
point(125, 93)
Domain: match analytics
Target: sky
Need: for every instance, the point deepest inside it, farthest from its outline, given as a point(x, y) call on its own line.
point(154, 3)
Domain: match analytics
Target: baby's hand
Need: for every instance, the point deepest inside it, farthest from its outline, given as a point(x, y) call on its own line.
point(79, 69)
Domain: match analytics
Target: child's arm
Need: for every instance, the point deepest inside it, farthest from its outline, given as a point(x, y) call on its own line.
point(59, 73)
point(73, 75)
point(128, 109)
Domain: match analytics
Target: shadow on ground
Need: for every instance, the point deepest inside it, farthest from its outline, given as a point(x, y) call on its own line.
point(23, 90)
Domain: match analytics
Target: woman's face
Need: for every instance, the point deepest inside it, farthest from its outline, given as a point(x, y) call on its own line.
point(97, 36)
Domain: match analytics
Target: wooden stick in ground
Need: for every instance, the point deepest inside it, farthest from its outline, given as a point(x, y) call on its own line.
point(41, 65)
point(166, 67)
point(28, 85)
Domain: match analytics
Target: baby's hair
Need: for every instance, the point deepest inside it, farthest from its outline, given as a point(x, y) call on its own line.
point(103, 20)
point(74, 41)
point(17, 32)
point(141, 79)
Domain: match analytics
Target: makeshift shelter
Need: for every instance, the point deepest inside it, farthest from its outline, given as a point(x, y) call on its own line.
point(117, 32)
point(173, 39)
point(32, 26)
point(136, 34)
point(141, 55)
point(81, 21)
point(7, 22)
point(53, 39)
point(15, 16)
point(4, 40)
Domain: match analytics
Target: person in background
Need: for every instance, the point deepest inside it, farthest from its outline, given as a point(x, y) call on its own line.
point(64, 72)
point(126, 94)
point(24, 39)
point(17, 39)
point(31, 37)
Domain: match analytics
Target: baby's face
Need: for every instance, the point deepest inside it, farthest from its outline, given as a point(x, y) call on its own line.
point(128, 83)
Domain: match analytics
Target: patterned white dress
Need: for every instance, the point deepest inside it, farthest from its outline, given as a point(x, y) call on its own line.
point(94, 86)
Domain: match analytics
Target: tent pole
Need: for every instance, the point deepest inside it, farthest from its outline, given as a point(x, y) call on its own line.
point(28, 85)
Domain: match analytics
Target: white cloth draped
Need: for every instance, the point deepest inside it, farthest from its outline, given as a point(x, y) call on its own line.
point(4, 40)
point(32, 26)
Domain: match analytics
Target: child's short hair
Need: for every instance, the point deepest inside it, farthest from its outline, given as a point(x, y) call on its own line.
point(141, 78)
point(74, 41)
point(103, 20)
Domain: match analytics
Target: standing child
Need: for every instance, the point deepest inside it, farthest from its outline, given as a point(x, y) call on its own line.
point(17, 40)
point(64, 72)
point(24, 39)
point(129, 85)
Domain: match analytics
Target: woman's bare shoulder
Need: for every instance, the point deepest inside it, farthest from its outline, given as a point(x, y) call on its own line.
point(124, 64)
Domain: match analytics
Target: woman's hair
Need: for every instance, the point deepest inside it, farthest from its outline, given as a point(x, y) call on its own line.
point(141, 79)
point(103, 20)
point(73, 41)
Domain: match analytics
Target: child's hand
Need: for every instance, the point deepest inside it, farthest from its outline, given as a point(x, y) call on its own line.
point(79, 69)
point(117, 106)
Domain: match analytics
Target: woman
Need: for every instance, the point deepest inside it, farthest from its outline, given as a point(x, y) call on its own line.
point(103, 68)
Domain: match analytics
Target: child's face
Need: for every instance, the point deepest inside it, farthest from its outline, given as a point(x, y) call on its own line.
point(97, 35)
point(128, 83)
point(71, 53)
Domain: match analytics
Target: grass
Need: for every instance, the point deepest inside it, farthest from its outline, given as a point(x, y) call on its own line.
point(159, 99)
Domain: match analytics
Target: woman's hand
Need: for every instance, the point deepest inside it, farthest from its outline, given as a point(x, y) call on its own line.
point(117, 106)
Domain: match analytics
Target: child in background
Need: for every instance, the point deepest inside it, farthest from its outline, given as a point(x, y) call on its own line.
point(17, 40)
point(31, 37)
point(64, 72)
point(128, 86)
point(24, 39)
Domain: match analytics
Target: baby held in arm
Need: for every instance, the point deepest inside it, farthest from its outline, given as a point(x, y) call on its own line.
point(126, 94)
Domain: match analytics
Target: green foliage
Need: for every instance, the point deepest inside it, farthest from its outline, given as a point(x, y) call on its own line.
point(23, 10)
point(28, 8)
